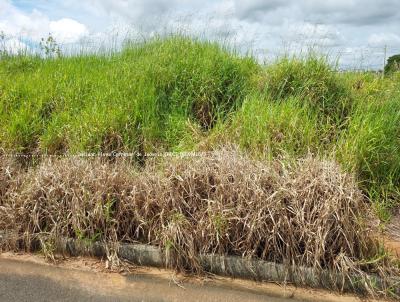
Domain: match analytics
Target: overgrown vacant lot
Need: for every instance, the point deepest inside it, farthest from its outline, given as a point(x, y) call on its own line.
point(181, 94)
point(316, 141)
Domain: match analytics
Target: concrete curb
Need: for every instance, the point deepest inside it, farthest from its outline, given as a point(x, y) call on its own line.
point(232, 266)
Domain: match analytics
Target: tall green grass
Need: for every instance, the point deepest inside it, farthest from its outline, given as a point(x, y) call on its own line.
point(371, 145)
point(180, 93)
point(267, 128)
point(314, 81)
point(145, 96)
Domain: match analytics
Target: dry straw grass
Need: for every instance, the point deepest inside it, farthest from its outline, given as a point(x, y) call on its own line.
point(307, 213)
point(8, 168)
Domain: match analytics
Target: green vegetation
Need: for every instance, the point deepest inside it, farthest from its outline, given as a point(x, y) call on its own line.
point(393, 64)
point(147, 96)
point(183, 94)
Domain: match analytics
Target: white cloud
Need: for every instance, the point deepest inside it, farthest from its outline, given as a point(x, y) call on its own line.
point(357, 12)
point(67, 30)
point(35, 25)
point(263, 26)
point(382, 39)
point(255, 8)
point(309, 34)
point(133, 10)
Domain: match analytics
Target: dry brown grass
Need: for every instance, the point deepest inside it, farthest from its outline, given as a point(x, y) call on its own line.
point(307, 213)
point(8, 168)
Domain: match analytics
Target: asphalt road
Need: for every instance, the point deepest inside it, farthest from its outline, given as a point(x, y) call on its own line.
point(34, 281)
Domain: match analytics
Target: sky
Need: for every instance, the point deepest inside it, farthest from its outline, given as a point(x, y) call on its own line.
point(356, 31)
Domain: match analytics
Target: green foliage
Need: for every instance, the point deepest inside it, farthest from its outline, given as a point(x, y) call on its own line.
point(393, 64)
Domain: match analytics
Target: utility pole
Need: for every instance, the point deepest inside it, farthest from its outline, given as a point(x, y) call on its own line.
point(384, 60)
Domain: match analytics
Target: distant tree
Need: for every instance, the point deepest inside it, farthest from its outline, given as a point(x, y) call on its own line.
point(393, 64)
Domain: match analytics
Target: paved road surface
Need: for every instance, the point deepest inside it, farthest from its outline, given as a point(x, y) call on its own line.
point(36, 281)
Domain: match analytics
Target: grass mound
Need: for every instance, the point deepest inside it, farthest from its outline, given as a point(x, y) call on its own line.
point(147, 97)
point(308, 213)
